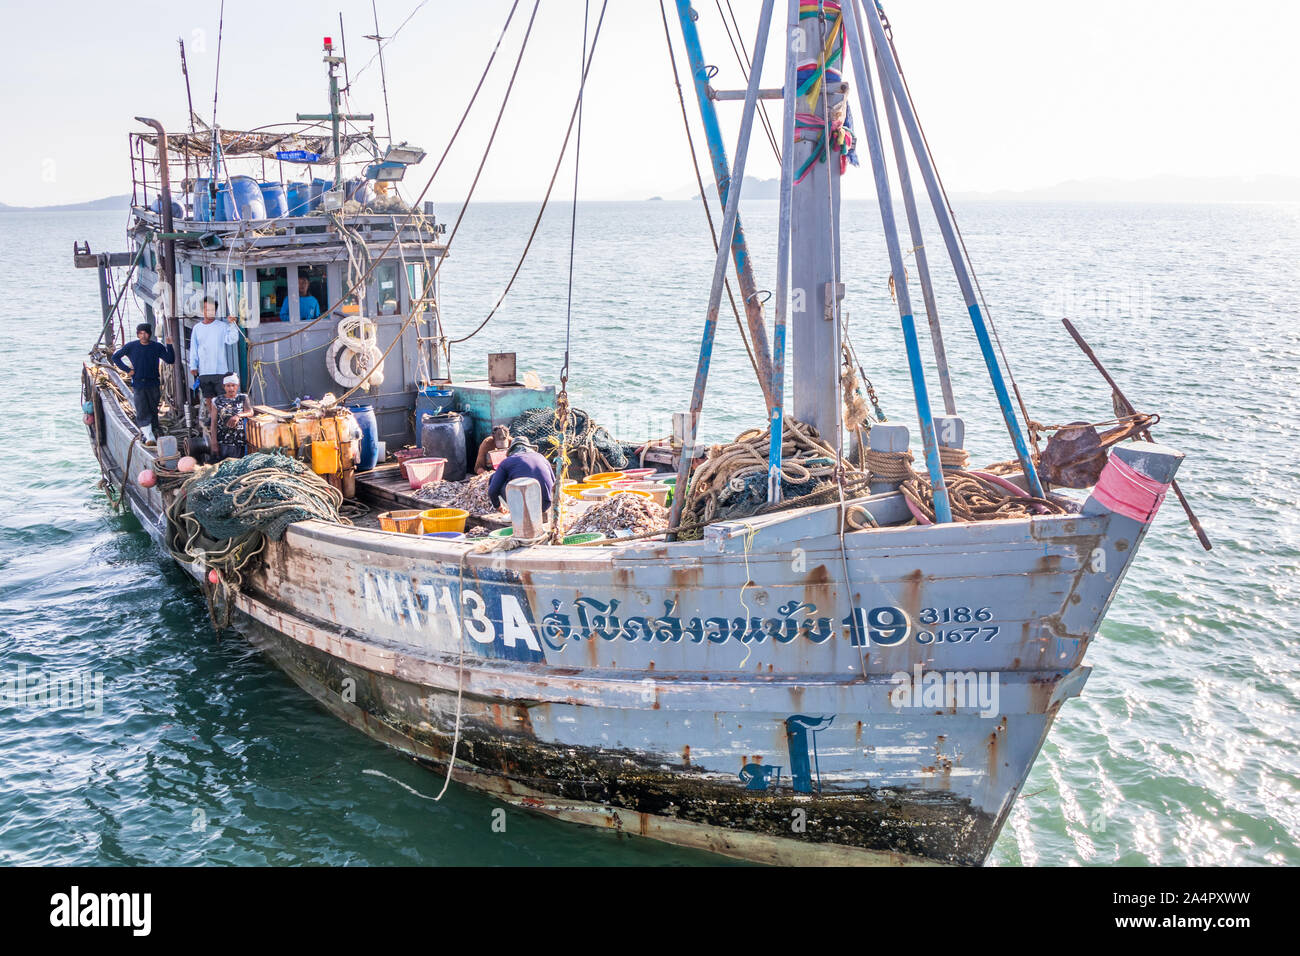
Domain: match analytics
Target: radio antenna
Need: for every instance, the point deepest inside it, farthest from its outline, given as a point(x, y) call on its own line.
point(383, 79)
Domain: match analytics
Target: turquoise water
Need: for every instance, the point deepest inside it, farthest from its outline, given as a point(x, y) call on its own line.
point(1181, 750)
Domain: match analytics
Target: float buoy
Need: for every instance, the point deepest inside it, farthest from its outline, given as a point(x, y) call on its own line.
point(146, 478)
point(186, 464)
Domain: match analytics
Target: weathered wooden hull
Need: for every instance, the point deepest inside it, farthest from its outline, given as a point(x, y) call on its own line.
point(740, 694)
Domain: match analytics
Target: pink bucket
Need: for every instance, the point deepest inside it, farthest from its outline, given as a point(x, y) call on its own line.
point(404, 455)
point(421, 471)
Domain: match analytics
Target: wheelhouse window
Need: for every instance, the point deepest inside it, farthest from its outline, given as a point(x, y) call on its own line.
point(272, 292)
point(313, 292)
point(414, 283)
point(386, 293)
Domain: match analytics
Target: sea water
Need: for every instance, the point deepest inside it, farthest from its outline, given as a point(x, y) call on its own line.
point(1181, 750)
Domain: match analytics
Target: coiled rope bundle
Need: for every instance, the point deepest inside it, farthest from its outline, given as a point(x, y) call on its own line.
point(732, 482)
point(222, 515)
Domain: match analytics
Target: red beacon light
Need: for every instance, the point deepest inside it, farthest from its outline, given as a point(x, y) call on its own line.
point(329, 43)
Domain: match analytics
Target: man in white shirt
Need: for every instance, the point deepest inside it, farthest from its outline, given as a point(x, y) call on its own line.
point(208, 344)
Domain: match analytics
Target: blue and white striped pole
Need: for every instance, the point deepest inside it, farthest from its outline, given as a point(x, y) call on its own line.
point(867, 103)
point(889, 68)
point(783, 257)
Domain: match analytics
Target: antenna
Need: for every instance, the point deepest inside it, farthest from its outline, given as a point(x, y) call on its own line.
point(383, 79)
point(185, 71)
point(343, 39)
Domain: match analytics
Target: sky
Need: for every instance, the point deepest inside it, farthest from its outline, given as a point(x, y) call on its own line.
point(1014, 95)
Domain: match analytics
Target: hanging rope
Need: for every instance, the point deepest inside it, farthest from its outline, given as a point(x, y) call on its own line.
point(562, 399)
point(550, 186)
point(414, 216)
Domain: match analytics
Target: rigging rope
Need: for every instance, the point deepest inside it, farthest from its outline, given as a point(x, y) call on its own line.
point(562, 398)
point(460, 216)
point(550, 186)
point(415, 215)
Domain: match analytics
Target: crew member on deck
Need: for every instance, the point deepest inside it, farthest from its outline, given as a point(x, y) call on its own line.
point(522, 462)
point(146, 386)
point(308, 307)
point(208, 341)
point(228, 424)
point(499, 440)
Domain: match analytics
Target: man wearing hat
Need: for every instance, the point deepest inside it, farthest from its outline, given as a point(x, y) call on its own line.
point(229, 412)
point(146, 386)
point(523, 461)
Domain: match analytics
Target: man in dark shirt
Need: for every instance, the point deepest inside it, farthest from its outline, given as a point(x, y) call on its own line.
point(522, 462)
point(146, 386)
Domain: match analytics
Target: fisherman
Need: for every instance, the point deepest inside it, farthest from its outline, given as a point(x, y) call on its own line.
point(308, 307)
point(523, 461)
point(146, 386)
point(208, 362)
point(499, 440)
point(228, 426)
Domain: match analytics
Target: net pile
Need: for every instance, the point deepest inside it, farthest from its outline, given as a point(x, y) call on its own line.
point(259, 492)
point(590, 446)
point(469, 495)
point(626, 513)
point(222, 516)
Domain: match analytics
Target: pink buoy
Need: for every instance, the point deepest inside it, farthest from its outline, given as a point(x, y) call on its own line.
point(213, 576)
point(186, 464)
point(88, 419)
point(147, 478)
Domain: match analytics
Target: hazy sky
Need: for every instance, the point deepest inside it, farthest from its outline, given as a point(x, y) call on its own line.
point(1014, 95)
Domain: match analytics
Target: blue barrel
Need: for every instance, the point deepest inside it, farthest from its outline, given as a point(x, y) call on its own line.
point(223, 209)
point(248, 197)
point(365, 416)
point(432, 400)
point(446, 436)
point(359, 190)
point(202, 201)
point(274, 199)
point(298, 198)
point(318, 189)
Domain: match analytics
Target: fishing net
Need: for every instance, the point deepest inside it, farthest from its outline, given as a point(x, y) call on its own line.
point(259, 492)
point(223, 515)
point(594, 448)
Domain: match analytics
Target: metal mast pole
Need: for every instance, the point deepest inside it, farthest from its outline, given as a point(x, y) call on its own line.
point(789, 95)
point(334, 116)
point(723, 177)
point(730, 223)
point(918, 241)
point(866, 100)
point(814, 253)
point(885, 57)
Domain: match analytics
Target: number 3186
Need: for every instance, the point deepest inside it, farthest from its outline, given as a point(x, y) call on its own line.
point(954, 615)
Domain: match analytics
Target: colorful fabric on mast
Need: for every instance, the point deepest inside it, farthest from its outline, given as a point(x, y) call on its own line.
point(809, 126)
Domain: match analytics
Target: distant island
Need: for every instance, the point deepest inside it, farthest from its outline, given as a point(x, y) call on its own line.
point(1273, 188)
point(111, 203)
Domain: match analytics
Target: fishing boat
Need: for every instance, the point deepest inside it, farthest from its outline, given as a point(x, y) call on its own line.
point(863, 673)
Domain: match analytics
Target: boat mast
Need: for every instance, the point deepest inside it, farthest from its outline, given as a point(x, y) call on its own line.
point(870, 15)
point(814, 232)
point(867, 102)
point(334, 116)
point(730, 223)
point(700, 75)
